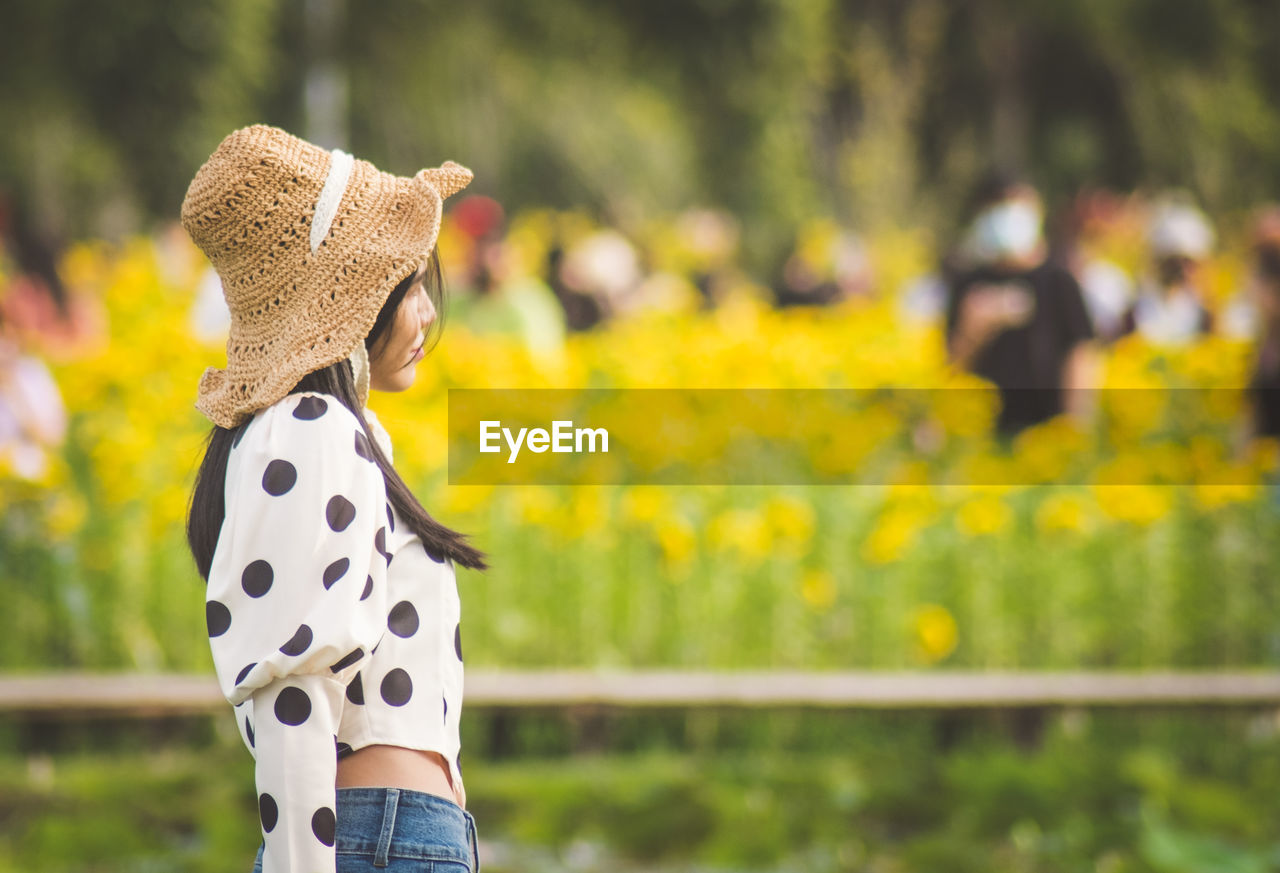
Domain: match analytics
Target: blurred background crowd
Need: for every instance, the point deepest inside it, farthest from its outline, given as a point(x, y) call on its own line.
point(1066, 210)
point(1027, 302)
point(1078, 172)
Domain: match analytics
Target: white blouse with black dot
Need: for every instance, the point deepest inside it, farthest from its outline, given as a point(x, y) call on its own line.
point(331, 625)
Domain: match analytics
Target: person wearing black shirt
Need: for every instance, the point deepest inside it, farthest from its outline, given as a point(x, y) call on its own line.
point(1017, 319)
point(1264, 384)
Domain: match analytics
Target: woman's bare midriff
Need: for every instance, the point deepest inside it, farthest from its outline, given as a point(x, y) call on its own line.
point(397, 767)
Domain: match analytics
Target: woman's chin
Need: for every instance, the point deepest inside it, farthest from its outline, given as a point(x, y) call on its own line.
point(405, 378)
point(393, 384)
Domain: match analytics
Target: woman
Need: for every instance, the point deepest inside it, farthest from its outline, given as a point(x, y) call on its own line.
point(1016, 318)
point(332, 606)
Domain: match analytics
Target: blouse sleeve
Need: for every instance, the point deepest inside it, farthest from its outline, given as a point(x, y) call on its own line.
point(296, 601)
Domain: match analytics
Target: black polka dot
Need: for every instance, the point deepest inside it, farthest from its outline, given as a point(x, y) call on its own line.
point(279, 477)
point(257, 578)
point(458, 760)
point(322, 825)
point(355, 690)
point(397, 688)
point(445, 701)
point(380, 544)
point(339, 513)
point(434, 555)
point(391, 518)
point(347, 661)
point(248, 731)
point(245, 672)
point(362, 446)
point(217, 618)
point(457, 640)
point(268, 812)
point(293, 706)
point(310, 408)
point(299, 642)
point(368, 588)
point(335, 571)
point(403, 619)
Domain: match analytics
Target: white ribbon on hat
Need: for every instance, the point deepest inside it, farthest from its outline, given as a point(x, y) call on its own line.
point(335, 185)
point(360, 371)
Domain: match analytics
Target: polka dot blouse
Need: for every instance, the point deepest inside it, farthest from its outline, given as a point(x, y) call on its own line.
point(331, 625)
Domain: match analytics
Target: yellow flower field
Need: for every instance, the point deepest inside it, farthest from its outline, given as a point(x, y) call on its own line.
point(994, 568)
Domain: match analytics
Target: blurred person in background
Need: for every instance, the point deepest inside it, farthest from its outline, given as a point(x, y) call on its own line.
point(209, 318)
point(1243, 315)
point(44, 314)
point(829, 265)
point(581, 311)
point(36, 248)
point(502, 300)
point(38, 316)
point(1014, 317)
point(922, 299)
point(710, 237)
point(1170, 307)
point(603, 267)
point(1264, 386)
point(1107, 287)
point(33, 420)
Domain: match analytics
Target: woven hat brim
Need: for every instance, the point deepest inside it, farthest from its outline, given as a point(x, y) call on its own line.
point(385, 229)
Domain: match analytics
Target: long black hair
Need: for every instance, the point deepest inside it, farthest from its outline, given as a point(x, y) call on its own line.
point(207, 509)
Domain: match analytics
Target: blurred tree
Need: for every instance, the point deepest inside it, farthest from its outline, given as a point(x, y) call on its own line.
point(875, 111)
point(109, 108)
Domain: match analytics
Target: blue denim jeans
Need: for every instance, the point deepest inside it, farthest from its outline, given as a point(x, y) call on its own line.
point(396, 830)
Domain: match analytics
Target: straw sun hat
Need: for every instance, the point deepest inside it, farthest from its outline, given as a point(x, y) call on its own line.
point(309, 244)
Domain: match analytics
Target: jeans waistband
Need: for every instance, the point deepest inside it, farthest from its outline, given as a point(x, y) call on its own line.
point(401, 823)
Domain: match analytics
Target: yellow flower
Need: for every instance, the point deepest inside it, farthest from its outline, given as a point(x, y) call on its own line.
point(1045, 452)
point(1131, 467)
point(1264, 455)
point(895, 531)
point(1138, 504)
point(935, 632)
point(966, 406)
point(983, 515)
point(677, 540)
point(463, 499)
point(792, 522)
point(919, 496)
point(1061, 512)
point(537, 505)
point(818, 588)
point(988, 474)
point(645, 503)
point(587, 512)
point(1215, 496)
point(744, 531)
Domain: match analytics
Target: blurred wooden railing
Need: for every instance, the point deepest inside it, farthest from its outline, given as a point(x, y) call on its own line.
point(138, 694)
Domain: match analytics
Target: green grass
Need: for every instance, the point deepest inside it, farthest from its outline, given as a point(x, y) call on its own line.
point(1161, 792)
point(1196, 590)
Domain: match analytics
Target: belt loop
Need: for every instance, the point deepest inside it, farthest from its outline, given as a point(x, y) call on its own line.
point(388, 825)
point(475, 846)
